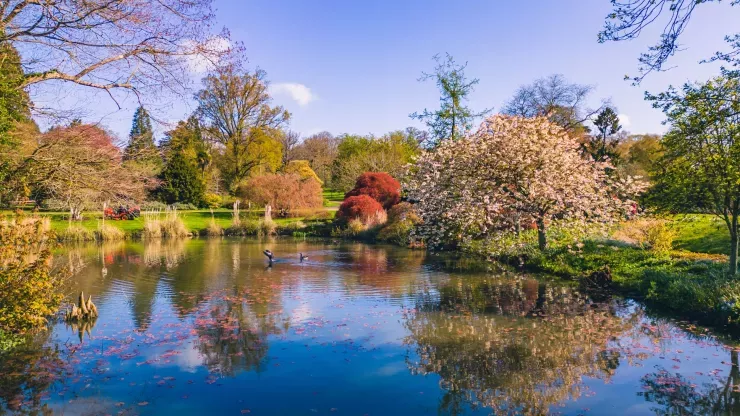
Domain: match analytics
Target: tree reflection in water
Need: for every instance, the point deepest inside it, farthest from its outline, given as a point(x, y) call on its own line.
point(27, 373)
point(234, 325)
point(515, 346)
point(680, 396)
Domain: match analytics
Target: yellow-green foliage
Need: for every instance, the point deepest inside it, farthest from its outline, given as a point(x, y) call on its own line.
point(660, 237)
point(655, 234)
point(212, 201)
point(355, 226)
point(28, 288)
point(303, 169)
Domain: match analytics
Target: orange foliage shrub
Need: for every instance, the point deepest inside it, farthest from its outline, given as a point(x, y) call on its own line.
point(284, 192)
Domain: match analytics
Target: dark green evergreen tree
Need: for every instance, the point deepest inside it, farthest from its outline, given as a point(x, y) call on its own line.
point(14, 101)
point(141, 146)
point(14, 110)
point(181, 180)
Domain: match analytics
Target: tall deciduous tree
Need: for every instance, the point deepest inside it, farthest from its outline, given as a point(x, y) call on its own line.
point(131, 45)
point(236, 106)
point(512, 169)
point(454, 118)
point(562, 102)
point(700, 169)
point(639, 155)
point(81, 166)
point(629, 18)
point(320, 150)
point(602, 145)
point(289, 140)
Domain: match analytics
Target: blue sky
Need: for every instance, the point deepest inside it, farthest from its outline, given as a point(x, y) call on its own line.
point(353, 65)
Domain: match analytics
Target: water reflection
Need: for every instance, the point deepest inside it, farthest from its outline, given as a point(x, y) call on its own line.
point(183, 322)
point(483, 343)
point(28, 374)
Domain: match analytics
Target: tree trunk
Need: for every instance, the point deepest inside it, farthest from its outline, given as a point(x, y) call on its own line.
point(541, 236)
point(733, 251)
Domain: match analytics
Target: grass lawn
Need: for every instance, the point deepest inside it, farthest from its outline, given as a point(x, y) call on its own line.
point(194, 221)
point(333, 199)
point(701, 233)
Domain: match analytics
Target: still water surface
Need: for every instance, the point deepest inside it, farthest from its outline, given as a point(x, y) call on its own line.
point(204, 327)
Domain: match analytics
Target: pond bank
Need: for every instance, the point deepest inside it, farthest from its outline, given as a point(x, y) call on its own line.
point(689, 285)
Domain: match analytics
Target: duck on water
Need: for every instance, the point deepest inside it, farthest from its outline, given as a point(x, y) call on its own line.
point(271, 257)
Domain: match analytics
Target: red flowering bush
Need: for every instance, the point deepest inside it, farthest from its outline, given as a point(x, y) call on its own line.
point(361, 207)
point(380, 186)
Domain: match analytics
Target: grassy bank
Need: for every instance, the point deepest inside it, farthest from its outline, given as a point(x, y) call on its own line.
point(199, 222)
point(690, 281)
point(690, 285)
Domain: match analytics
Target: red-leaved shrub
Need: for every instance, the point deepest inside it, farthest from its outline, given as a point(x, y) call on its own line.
point(380, 186)
point(361, 207)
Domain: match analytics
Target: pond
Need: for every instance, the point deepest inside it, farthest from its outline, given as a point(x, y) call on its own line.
point(203, 326)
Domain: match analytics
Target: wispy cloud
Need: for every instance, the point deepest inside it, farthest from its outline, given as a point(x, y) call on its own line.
point(624, 121)
point(298, 92)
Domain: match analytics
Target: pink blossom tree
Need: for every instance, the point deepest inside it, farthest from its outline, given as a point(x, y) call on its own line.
point(512, 170)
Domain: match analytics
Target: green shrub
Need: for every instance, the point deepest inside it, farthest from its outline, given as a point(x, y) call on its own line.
point(402, 219)
point(28, 288)
point(267, 227)
point(183, 206)
point(293, 226)
point(154, 206)
point(244, 228)
point(76, 233)
point(9, 341)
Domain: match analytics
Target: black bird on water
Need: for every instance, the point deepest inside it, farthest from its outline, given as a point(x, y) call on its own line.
point(269, 255)
point(302, 257)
